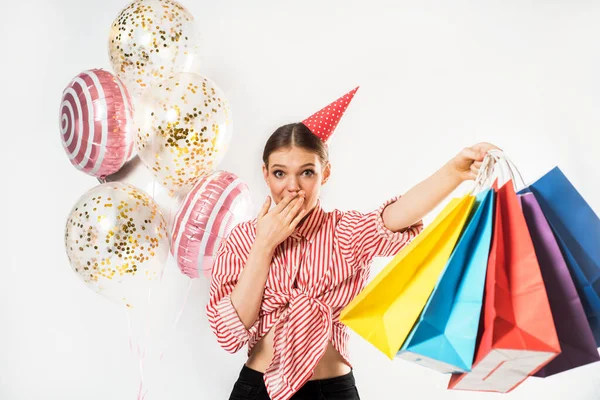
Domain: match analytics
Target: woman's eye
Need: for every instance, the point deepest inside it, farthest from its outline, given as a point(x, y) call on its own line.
point(280, 174)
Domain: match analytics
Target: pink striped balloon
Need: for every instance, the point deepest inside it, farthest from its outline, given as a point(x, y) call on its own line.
point(209, 211)
point(96, 123)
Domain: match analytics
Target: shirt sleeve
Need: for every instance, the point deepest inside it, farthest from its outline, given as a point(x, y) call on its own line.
point(365, 236)
point(224, 321)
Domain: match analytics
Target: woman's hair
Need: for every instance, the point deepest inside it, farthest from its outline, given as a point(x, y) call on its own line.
point(295, 135)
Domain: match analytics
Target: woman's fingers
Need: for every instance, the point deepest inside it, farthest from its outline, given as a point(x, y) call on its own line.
point(288, 208)
point(265, 207)
point(475, 168)
point(471, 154)
point(293, 213)
point(298, 218)
point(283, 203)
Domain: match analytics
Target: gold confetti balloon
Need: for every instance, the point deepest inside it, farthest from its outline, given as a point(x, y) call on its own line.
point(117, 243)
point(183, 130)
point(151, 40)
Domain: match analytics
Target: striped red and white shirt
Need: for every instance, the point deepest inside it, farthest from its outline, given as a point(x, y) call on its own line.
point(314, 273)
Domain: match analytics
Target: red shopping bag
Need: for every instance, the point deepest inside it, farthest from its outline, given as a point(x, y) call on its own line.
point(517, 332)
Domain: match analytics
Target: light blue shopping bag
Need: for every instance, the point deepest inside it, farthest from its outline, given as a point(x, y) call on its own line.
point(445, 335)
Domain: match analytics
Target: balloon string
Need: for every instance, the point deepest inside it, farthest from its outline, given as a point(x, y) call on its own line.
point(140, 350)
point(139, 354)
point(141, 396)
point(185, 300)
point(141, 393)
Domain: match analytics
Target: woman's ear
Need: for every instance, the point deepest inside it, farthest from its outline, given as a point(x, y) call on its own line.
point(265, 173)
point(326, 173)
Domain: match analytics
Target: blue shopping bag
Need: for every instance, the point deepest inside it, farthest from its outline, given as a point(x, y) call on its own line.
point(445, 335)
point(577, 230)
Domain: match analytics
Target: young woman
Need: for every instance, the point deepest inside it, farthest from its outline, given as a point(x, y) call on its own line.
point(280, 281)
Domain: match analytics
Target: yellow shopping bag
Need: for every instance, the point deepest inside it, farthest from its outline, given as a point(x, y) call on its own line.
point(387, 308)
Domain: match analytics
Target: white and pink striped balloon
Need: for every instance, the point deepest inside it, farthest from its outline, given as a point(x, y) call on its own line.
point(210, 210)
point(96, 123)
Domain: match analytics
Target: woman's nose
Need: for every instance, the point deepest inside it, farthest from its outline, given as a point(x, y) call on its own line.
point(293, 186)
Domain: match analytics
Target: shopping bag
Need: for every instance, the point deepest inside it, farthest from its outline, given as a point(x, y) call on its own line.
point(577, 230)
point(386, 309)
point(445, 335)
point(518, 336)
point(576, 339)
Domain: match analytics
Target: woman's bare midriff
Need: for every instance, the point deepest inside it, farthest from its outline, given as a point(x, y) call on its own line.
point(331, 365)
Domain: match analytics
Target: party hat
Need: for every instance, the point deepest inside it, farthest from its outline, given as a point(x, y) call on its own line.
point(323, 123)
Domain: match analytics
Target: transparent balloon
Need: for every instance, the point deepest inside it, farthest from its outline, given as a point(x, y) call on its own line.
point(209, 212)
point(183, 130)
point(117, 242)
point(151, 40)
point(135, 173)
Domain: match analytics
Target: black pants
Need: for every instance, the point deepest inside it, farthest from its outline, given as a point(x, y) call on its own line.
point(251, 386)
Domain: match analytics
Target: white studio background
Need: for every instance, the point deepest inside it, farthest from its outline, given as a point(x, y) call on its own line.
point(435, 76)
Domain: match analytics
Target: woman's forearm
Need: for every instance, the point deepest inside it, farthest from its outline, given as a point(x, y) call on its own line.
point(247, 294)
point(421, 199)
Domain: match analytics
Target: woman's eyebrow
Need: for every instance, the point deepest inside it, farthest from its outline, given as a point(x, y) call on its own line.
point(302, 166)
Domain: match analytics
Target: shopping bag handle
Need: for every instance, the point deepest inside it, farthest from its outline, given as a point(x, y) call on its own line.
point(494, 163)
point(486, 173)
point(503, 160)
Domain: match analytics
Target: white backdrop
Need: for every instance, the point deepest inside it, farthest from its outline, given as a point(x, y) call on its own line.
point(435, 76)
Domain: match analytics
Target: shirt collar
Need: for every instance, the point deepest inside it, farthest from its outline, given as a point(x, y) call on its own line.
point(311, 223)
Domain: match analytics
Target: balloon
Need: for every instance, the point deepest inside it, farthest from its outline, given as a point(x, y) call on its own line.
point(135, 173)
point(117, 242)
point(151, 40)
point(183, 130)
point(96, 123)
point(214, 206)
